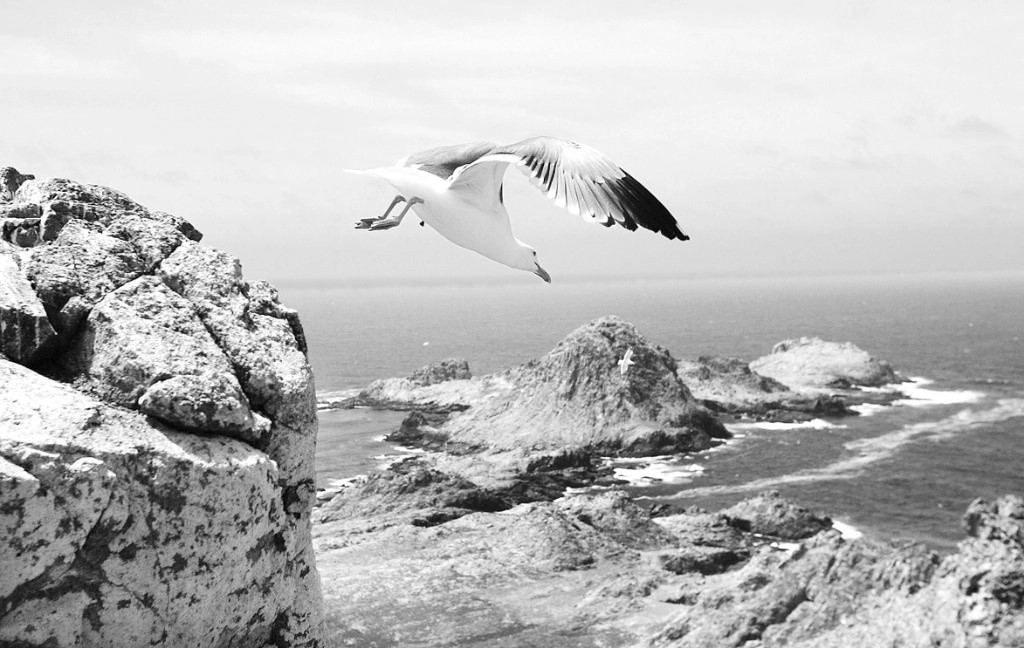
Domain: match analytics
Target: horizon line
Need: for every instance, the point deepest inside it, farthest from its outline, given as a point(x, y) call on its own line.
point(478, 280)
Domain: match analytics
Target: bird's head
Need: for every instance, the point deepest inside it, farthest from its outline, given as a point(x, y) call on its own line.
point(526, 259)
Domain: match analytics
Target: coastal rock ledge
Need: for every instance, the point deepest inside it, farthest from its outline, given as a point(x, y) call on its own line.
point(157, 431)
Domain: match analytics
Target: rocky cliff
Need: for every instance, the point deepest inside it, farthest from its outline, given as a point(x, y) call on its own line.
point(157, 431)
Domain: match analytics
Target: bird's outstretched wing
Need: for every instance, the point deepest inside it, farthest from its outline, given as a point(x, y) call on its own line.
point(587, 183)
point(443, 160)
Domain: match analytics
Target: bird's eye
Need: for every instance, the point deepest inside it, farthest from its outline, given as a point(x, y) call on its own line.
point(535, 253)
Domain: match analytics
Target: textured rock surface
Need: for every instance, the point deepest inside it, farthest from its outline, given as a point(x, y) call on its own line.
point(597, 570)
point(10, 180)
point(162, 493)
point(730, 381)
point(769, 514)
point(25, 332)
point(541, 426)
point(445, 386)
point(576, 396)
point(812, 362)
point(845, 595)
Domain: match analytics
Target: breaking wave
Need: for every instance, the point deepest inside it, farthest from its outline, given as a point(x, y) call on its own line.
point(871, 450)
point(918, 395)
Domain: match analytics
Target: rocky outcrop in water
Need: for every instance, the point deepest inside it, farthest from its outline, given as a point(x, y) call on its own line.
point(577, 396)
point(559, 411)
point(157, 430)
point(815, 363)
point(731, 386)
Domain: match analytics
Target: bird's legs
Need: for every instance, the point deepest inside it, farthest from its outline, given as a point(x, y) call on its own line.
point(388, 223)
point(364, 223)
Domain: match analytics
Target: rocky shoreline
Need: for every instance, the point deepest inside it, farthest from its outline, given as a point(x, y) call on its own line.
point(157, 432)
point(495, 536)
point(506, 420)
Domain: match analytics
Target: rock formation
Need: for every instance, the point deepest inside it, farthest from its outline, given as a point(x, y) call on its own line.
point(812, 362)
point(156, 434)
point(576, 396)
point(557, 411)
point(597, 569)
point(477, 542)
point(827, 592)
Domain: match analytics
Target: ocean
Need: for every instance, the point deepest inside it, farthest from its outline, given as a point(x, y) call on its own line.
point(905, 472)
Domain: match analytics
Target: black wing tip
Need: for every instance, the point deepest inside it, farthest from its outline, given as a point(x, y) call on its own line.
point(674, 233)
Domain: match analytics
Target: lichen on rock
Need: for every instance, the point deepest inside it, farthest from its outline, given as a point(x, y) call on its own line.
point(157, 472)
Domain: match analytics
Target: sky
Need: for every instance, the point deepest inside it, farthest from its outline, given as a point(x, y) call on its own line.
point(802, 138)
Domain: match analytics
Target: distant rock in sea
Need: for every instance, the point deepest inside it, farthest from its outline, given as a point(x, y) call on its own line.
point(157, 429)
point(731, 386)
point(813, 362)
point(575, 396)
point(556, 412)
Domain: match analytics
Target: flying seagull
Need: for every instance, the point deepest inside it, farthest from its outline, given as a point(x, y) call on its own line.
point(457, 190)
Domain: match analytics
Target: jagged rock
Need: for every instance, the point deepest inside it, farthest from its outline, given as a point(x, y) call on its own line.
point(76, 271)
point(26, 336)
point(730, 383)
point(121, 533)
point(144, 347)
point(700, 559)
point(410, 493)
point(10, 181)
point(615, 515)
point(444, 386)
point(262, 349)
point(770, 514)
point(124, 531)
point(700, 528)
point(812, 362)
point(450, 369)
point(576, 396)
point(866, 593)
point(208, 402)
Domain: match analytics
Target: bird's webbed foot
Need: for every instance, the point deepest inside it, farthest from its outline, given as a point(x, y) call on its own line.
point(367, 223)
point(388, 223)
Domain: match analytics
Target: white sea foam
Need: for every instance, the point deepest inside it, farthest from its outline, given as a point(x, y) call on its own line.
point(917, 394)
point(385, 461)
point(871, 450)
point(774, 426)
point(868, 409)
point(337, 484)
point(848, 531)
point(659, 473)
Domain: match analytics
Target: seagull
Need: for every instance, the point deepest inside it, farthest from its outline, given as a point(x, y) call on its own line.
point(626, 362)
point(457, 190)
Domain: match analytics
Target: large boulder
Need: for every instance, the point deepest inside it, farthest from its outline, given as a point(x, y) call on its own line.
point(816, 363)
point(161, 492)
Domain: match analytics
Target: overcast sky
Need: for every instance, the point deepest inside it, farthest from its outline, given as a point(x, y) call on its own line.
point(809, 138)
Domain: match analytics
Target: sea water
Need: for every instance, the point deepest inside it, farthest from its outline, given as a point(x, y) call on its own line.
point(906, 471)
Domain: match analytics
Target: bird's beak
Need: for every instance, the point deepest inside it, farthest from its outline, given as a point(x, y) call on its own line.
point(541, 272)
